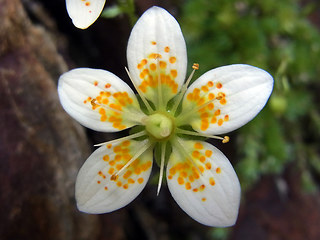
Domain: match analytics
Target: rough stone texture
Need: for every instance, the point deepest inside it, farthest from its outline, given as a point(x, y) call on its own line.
point(41, 147)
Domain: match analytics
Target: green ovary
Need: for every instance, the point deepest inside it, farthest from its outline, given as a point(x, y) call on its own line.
point(159, 126)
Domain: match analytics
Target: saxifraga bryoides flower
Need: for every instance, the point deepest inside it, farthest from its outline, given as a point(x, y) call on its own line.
point(171, 116)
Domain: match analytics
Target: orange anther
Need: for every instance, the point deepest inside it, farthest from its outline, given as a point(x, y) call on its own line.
point(195, 66)
point(225, 139)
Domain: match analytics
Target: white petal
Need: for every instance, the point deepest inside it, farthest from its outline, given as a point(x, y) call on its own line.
point(84, 12)
point(239, 92)
point(156, 48)
point(212, 197)
point(97, 193)
point(98, 99)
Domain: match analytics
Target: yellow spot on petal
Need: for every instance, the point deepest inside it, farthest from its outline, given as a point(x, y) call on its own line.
point(180, 180)
point(223, 101)
point(172, 60)
point(210, 84)
point(205, 88)
point(203, 199)
point(208, 166)
point(219, 85)
point(208, 153)
point(140, 180)
point(153, 67)
point(210, 106)
point(198, 145)
point(163, 64)
point(111, 171)
point(218, 170)
point(174, 73)
point(217, 112)
point(211, 181)
point(167, 49)
point(211, 96)
point(196, 154)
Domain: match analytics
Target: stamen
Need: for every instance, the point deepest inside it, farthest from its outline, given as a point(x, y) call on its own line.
point(163, 154)
point(138, 154)
point(145, 101)
point(135, 135)
point(224, 139)
point(195, 66)
point(184, 88)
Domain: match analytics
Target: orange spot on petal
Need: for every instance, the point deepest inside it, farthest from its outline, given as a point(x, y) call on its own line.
point(198, 145)
point(172, 59)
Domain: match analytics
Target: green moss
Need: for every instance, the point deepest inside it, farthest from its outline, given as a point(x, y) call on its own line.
point(277, 36)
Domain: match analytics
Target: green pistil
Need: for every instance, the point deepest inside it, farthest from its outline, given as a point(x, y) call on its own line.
point(159, 126)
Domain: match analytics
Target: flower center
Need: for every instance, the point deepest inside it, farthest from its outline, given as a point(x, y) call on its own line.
point(159, 126)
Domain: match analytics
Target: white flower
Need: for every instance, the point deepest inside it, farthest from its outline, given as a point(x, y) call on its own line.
point(84, 12)
point(200, 177)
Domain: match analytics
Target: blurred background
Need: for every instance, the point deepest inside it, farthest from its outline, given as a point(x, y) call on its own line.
point(276, 156)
